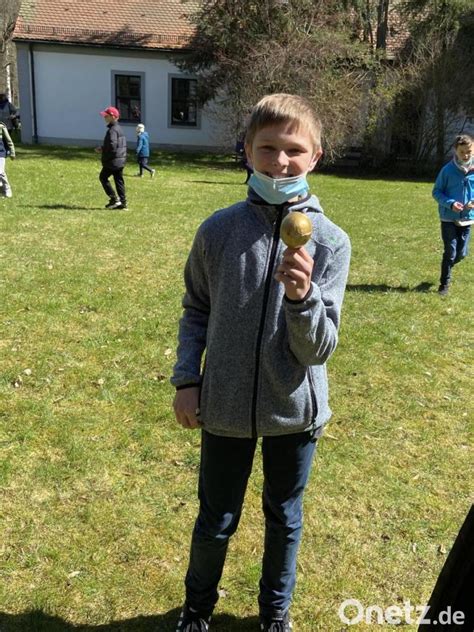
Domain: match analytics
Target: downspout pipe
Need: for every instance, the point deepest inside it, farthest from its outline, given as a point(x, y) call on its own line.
point(33, 94)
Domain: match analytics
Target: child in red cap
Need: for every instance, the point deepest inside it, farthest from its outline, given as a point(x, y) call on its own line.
point(114, 156)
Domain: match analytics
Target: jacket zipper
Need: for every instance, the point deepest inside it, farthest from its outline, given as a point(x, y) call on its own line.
point(314, 403)
point(268, 281)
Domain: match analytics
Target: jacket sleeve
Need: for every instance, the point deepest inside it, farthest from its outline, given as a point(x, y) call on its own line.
point(440, 188)
point(8, 142)
point(113, 140)
point(313, 323)
point(193, 324)
point(139, 144)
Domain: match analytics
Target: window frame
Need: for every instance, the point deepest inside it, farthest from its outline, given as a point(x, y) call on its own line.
point(115, 96)
point(186, 126)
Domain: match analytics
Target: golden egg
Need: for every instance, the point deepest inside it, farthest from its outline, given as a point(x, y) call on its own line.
point(296, 229)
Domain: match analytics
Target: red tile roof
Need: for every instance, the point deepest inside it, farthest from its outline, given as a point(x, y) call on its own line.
point(149, 24)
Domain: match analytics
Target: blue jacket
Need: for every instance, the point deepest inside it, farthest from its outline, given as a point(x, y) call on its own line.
point(454, 185)
point(264, 372)
point(143, 145)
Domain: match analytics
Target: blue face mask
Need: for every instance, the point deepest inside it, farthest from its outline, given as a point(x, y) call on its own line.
point(278, 190)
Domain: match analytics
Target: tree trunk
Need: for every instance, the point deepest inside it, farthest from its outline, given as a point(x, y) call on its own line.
point(382, 24)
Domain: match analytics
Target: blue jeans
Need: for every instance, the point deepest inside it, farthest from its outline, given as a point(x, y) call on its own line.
point(456, 246)
point(226, 464)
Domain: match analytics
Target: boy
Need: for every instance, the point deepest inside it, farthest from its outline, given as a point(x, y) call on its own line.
point(268, 319)
point(143, 150)
point(454, 192)
point(114, 156)
point(7, 148)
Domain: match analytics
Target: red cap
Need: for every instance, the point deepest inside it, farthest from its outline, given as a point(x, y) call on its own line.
point(112, 111)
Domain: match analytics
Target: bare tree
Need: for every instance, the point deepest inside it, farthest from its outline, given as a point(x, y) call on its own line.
point(438, 78)
point(243, 50)
point(9, 10)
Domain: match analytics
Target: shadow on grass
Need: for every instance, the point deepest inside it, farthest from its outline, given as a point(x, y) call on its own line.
point(38, 621)
point(160, 157)
point(392, 174)
point(382, 287)
point(65, 207)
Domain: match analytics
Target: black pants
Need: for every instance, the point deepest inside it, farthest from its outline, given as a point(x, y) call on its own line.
point(143, 164)
point(117, 175)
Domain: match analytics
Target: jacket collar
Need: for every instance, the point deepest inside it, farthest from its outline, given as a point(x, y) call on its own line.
point(309, 203)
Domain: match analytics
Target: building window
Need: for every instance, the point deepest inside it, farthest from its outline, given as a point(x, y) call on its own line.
point(128, 97)
point(184, 107)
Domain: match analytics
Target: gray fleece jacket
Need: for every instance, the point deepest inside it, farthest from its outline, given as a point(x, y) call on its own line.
point(264, 371)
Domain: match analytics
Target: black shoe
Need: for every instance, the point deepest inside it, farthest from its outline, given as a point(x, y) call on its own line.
point(112, 203)
point(443, 289)
point(192, 621)
point(121, 206)
point(276, 625)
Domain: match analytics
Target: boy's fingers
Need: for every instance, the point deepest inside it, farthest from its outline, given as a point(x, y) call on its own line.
point(187, 419)
point(191, 422)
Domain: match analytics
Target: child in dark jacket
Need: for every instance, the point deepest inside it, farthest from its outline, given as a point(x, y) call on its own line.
point(143, 150)
point(454, 192)
point(114, 157)
point(266, 317)
point(7, 148)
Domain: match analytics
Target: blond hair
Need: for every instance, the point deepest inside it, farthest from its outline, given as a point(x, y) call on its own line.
point(274, 109)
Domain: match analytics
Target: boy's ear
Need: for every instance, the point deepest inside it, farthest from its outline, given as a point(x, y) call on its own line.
point(314, 160)
point(248, 153)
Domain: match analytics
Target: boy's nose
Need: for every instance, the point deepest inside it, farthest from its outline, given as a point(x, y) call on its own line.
point(281, 158)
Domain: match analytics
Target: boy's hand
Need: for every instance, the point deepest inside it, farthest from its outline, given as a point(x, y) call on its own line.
point(186, 407)
point(457, 207)
point(295, 273)
point(470, 204)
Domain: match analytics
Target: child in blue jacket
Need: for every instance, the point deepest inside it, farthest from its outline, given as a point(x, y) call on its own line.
point(454, 192)
point(7, 148)
point(143, 150)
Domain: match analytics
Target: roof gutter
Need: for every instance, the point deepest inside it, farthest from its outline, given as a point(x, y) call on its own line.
point(144, 49)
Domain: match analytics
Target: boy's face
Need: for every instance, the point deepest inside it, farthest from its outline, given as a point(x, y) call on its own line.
point(464, 152)
point(108, 118)
point(282, 151)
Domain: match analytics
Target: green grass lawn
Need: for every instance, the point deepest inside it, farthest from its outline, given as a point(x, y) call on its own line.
point(98, 482)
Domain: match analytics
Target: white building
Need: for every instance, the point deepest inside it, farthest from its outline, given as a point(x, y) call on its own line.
point(76, 57)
